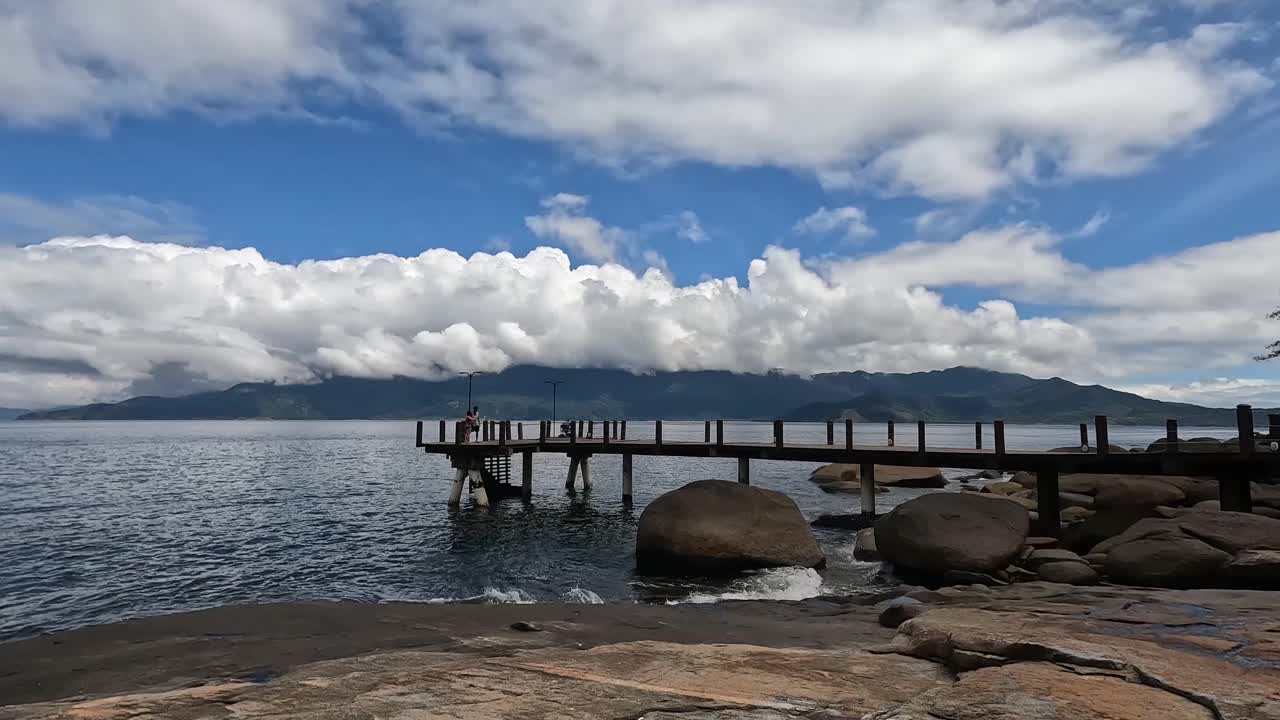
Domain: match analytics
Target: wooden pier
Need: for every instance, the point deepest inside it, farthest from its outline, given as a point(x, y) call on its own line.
point(499, 440)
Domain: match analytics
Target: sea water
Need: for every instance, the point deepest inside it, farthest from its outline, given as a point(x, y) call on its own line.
point(101, 521)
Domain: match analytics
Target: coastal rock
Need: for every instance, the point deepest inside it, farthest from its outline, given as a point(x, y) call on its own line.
point(864, 546)
point(1198, 445)
point(1025, 503)
point(899, 610)
point(1196, 489)
point(1050, 555)
point(1135, 491)
point(1038, 542)
point(1024, 478)
point(1068, 573)
point(1068, 499)
point(1074, 514)
point(964, 577)
point(844, 521)
point(1230, 532)
point(1002, 488)
point(1104, 524)
point(717, 526)
point(952, 531)
point(1169, 560)
point(1255, 568)
point(846, 478)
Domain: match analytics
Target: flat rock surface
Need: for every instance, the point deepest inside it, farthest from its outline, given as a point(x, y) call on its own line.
point(1035, 650)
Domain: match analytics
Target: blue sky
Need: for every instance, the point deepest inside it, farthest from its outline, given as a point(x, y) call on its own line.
point(889, 171)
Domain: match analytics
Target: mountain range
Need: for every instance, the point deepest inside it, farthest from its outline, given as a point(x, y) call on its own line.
point(11, 413)
point(955, 395)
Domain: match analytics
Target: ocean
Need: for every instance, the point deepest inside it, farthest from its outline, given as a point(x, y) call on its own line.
point(103, 521)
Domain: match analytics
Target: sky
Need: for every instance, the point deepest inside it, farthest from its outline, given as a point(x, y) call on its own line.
point(194, 194)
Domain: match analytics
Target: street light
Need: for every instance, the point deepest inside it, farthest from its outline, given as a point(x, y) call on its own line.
point(554, 384)
point(470, 375)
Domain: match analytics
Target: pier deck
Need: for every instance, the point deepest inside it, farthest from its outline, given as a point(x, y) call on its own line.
point(1234, 470)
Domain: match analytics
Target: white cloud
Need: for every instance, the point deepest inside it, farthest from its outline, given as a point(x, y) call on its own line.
point(1216, 392)
point(849, 221)
point(87, 318)
point(941, 98)
point(28, 219)
point(564, 223)
point(689, 227)
point(1093, 224)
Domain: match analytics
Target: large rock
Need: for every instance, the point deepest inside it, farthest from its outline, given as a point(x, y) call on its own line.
point(1255, 568)
point(713, 527)
point(1167, 560)
point(1084, 536)
point(952, 531)
point(846, 478)
point(1002, 488)
point(1110, 491)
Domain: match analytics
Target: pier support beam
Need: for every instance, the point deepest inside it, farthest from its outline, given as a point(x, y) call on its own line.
point(744, 470)
point(1047, 502)
point(585, 465)
point(578, 464)
point(626, 478)
point(867, 488)
point(455, 494)
point(526, 476)
point(570, 482)
point(478, 493)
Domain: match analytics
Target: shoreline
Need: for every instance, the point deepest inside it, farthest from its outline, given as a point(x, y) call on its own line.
point(970, 652)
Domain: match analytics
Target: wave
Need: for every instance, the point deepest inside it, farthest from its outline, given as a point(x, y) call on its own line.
point(789, 583)
point(490, 596)
point(582, 596)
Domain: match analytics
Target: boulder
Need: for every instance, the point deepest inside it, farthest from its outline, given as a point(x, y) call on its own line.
point(1069, 499)
point(1134, 491)
point(952, 531)
point(845, 478)
point(1196, 489)
point(711, 527)
point(1255, 568)
point(1084, 536)
point(1002, 488)
point(1025, 502)
point(899, 610)
point(1069, 573)
point(1024, 478)
point(864, 546)
point(964, 577)
point(1073, 515)
point(1200, 445)
point(1267, 512)
point(1166, 560)
point(1038, 542)
point(1207, 505)
point(1050, 555)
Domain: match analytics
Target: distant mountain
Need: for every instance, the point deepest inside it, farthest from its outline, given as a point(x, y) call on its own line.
point(955, 395)
point(11, 413)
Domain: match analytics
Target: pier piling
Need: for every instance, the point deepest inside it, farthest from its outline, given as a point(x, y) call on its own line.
point(831, 432)
point(998, 428)
point(526, 476)
point(1048, 503)
point(890, 433)
point(1100, 435)
point(1171, 436)
point(1084, 437)
point(848, 434)
point(626, 477)
point(867, 488)
point(977, 435)
point(744, 470)
point(920, 445)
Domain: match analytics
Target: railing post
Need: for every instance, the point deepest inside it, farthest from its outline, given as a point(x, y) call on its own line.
point(591, 428)
point(657, 432)
point(998, 427)
point(526, 475)
point(1100, 435)
point(1244, 423)
point(831, 432)
point(1084, 437)
point(520, 431)
point(441, 431)
point(502, 433)
point(623, 435)
point(744, 470)
point(574, 432)
point(542, 430)
point(1171, 435)
point(604, 432)
point(977, 435)
point(719, 432)
point(706, 431)
point(890, 433)
point(1047, 501)
point(419, 443)
point(777, 433)
point(1273, 426)
point(457, 433)
point(848, 433)
point(920, 435)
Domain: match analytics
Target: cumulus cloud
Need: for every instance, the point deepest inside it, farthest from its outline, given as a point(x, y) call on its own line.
point(1218, 392)
point(126, 314)
point(934, 97)
point(1093, 224)
point(850, 222)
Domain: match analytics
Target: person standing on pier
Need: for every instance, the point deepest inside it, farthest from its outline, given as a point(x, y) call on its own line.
point(471, 423)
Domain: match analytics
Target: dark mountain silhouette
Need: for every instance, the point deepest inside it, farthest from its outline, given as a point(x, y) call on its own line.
point(955, 395)
point(11, 413)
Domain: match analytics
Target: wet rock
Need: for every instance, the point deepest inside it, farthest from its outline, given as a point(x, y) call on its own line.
point(844, 521)
point(524, 626)
point(1041, 542)
point(900, 610)
point(864, 546)
point(718, 527)
point(1023, 478)
point(1067, 500)
point(1094, 558)
point(1208, 505)
point(1198, 445)
point(1074, 514)
point(1017, 574)
point(1068, 573)
point(1267, 512)
point(1023, 502)
point(952, 531)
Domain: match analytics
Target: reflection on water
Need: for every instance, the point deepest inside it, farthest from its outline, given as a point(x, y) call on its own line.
point(105, 520)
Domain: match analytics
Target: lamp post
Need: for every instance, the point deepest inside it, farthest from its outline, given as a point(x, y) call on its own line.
point(470, 375)
point(554, 384)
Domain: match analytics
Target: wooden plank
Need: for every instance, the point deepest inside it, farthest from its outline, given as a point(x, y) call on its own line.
point(848, 433)
point(719, 433)
point(706, 431)
point(998, 427)
point(1171, 435)
point(777, 433)
point(977, 435)
point(1244, 424)
point(744, 470)
point(1100, 435)
point(441, 431)
point(920, 435)
point(657, 432)
point(831, 432)
point(419, 442)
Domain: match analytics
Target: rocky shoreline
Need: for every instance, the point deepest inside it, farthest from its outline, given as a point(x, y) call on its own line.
point(1033, 650)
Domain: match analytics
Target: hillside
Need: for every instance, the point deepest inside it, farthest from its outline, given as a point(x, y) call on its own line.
point(11, 413)
point(957, 394)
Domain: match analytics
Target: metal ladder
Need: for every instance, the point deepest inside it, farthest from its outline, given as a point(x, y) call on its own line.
point(499, 468)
